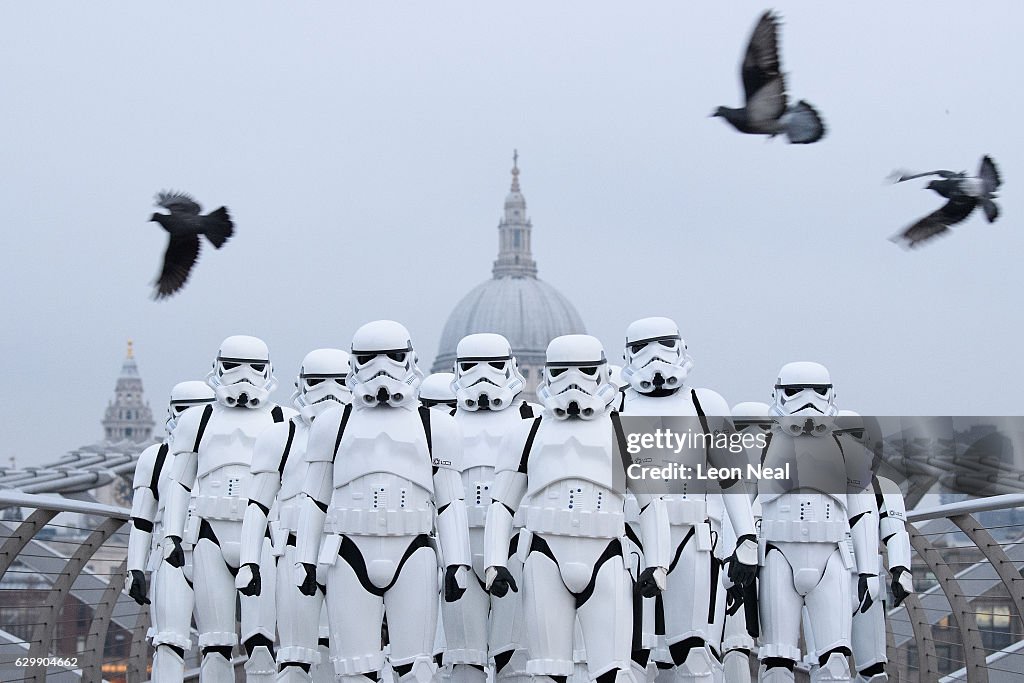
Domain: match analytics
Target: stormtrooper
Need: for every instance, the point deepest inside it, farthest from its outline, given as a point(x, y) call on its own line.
point(491, 417)
point(808, 524)
point(656, 370)
point(436, 391)
point(171, 607)
point(212, 447)
point(868, 628)
point(382, 473)
point(278, 472)
point(565, 483)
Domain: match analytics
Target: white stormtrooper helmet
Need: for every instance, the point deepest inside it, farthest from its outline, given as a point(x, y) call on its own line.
point(242, 375)
point(751, 414)
point(615, 376)
point(321, 382)
point(804, 399)
point(436, 391)
point(384, 369)
point(656, 358)
point(184, 395)
point(486, 373)
point(575, 382)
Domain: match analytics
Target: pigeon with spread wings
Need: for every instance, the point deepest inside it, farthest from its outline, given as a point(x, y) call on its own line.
point(766, 110)
point(184, 225)
point(963, 192)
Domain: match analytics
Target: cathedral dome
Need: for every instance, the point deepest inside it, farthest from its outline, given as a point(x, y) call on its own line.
point(514, 302)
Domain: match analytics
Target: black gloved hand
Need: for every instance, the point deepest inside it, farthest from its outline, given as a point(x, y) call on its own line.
point(452, 590)
point(647, 584)
point(308, 585)
point(176, 558)
point(899, 592)
point(864, 591)
point(502, 583)
point(255, 585)
point(741, 573)
point(137, 589)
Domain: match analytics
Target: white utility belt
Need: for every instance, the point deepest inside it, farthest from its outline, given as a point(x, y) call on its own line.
point(684, 511)
point(798, 531)
point(379, 522)
point(585, 523)
point(228, 508)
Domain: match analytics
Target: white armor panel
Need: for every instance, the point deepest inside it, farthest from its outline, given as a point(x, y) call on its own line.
point(584, 450)
point(381, 504)
point(818, 463)
point(484, 436)
point(390, 441)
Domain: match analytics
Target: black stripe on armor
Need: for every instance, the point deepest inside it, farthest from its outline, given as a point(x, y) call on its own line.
point(205, 420)
point(287, 447)
point(158, 465)
point(349, 552)
point(341, 429)
point(525, 458)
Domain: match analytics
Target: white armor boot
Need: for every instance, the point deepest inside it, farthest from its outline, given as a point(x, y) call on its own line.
point(171, 607)
point(807, 531)
point(436, 391)
point(656, 370)
point(212, 448)
point(569, 482)
point(479, 627)
point(379, 472)
point(278, 472)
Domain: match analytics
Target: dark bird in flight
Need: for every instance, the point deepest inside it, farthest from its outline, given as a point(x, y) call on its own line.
point(185, 224)
point(963, 192)
point(764, 86)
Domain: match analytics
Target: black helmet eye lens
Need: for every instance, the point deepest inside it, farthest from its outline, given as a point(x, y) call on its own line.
point(397, 356)
point(591, 370)
point(497, 364)
point(822, 391)
point(668, 343)
point(637, 348)
point(258, 367)
point(340, 380)
point(466, 367)
point(555, 372)
point(228, 365)
point(791, 391)
point(313, 381)
point(365, 358)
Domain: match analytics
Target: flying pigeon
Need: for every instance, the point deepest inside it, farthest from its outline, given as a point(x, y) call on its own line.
point(764, 86)
point(964, 193)
point(185, 225)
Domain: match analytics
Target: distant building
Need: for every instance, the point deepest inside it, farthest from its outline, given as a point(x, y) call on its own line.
point(514, 302)
point(128, 416)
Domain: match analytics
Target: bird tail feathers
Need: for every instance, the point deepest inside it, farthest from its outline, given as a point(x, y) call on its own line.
point(219, 227)
point(991, 209)
point(803, 124)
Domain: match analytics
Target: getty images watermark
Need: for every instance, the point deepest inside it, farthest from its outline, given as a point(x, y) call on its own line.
point(652, 446)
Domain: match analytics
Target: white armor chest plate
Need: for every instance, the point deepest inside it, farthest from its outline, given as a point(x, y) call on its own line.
point(679, 403)
point(816, 464)
point(230, 436)
point(483, 432)
point(571, 484)
point(389, 440)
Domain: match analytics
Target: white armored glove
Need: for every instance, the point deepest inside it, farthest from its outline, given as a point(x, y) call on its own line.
point(498, 581)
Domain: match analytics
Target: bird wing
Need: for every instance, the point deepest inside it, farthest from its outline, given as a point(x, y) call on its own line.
point(182, 253)
point(898, 176)
point(177, 202)
point(761, 68)
point(937, 222)
point(989, 175)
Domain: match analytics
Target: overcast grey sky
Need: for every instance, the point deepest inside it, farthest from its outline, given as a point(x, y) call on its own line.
point(364, 152)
